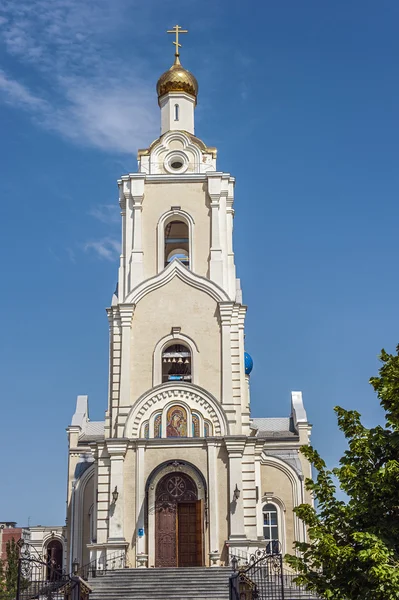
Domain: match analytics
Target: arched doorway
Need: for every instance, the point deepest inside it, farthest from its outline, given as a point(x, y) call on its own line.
point(178, 522)
point(54, 560)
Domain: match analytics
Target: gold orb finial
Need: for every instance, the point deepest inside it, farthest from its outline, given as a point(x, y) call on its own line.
point(177, 78)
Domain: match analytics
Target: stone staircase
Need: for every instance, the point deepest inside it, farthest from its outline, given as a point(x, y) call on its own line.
point(198, 583)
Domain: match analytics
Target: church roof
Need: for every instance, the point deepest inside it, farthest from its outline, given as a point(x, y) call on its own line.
point(275, 427)
point(177, 79)
point(94, 431)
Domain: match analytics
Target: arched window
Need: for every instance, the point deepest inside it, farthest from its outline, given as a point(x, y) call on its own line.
point(176, 112)
point(177, 243)
point(196, 425)
point(158, 425)
point(207, 429)
point(176, 363)
point(270, 528)
point(54, 560)
point(145, 431)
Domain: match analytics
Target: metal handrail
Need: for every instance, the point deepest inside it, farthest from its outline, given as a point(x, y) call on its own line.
point(99, 566)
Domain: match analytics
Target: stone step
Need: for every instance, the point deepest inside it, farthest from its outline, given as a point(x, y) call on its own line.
point(187, 583)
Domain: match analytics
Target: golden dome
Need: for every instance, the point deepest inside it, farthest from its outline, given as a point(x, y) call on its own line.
point(177, 79)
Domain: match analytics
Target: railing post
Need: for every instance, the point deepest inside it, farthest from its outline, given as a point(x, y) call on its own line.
point(282, 577)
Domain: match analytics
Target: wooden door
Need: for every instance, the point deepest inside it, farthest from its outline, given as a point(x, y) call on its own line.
point(198, 529)
point(178, 522)
point(165, 527)
point(187, 535)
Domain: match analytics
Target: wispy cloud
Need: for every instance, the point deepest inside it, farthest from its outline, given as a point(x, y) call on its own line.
point(82, 90)
point(17, 94)
point(106, 213)
point(107, 248)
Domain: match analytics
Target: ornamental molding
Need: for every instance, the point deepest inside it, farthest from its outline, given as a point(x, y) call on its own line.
point(173, 136)
point(126, 314)
point(177, 466)
point(116, 448)
point(176, 269)
point(235, 445)
point(194, 397)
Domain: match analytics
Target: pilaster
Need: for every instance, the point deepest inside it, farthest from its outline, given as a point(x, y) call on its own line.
point(245, 409)
point(116, 450)
point(258, 487)
point(231, 268)
point(103, 493)
point(122, 259)
point(216, 263)
point(249, 489)
point(137, 181)
point(126, 315)
point(140, 498)
point(213, 510)
point(235, 447)
point(115, 331)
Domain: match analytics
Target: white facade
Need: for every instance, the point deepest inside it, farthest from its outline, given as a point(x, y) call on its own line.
point(178, 441)
point(177, 112)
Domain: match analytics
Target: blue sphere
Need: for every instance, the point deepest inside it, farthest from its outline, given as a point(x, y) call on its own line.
point(248, 363)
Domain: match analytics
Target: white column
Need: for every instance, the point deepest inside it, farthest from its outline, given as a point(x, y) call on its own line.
point(225, 311)
point(258, 483)
point(116, 450)
point(126, 313)
point(223, 235)
point(245, 414)
point(216, 264)
point(114, 371)
point(121, 276)
point(213, 491)
point(235, 448)
point(137, 255)
point(230, 254)
point(103, 488)
point(140, 498)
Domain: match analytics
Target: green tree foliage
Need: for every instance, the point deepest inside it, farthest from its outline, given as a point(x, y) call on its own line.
point(9, 572)
point(353, 547)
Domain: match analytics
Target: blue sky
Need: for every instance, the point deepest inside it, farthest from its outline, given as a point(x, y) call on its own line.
point(300, 97)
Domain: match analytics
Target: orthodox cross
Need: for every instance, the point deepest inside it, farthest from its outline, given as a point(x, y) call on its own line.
point(176, 30)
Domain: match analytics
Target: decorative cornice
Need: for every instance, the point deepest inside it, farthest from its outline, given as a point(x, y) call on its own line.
point(226, 312)
point(178, 178)
point(117, 447)
point(176, 269)
point(126, 314)
point(235, 445)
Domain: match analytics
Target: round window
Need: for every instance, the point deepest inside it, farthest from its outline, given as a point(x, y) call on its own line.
point(176, 164)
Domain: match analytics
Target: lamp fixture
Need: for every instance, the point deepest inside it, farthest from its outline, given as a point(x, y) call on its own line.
point(75, 566)
point(115, 495)
point(236, 493)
